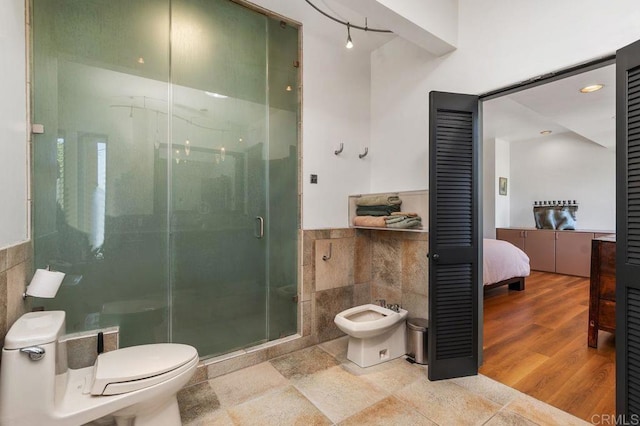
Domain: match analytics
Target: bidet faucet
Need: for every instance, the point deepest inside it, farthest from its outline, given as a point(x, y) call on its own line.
point(394, 307)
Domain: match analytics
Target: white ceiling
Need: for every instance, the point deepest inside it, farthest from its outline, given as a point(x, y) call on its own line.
point(558, 106)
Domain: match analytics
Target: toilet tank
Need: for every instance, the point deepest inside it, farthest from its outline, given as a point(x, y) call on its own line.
point(35, 328)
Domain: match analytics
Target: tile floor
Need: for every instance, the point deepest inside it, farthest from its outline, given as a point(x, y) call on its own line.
point(319, 386)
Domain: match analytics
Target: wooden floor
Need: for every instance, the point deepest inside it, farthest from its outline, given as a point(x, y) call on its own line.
point(536, 341)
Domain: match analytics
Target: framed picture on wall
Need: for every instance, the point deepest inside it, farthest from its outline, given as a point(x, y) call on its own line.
point(502, 185)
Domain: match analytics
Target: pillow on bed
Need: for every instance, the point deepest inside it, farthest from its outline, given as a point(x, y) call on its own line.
point(502, 260)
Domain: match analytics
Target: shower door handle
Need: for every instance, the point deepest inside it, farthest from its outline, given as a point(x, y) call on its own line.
point(260, 220)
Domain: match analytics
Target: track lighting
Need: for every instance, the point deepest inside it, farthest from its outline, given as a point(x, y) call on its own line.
point(349, 44)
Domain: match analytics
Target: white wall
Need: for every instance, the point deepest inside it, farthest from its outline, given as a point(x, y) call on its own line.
point(495, 207)
point(500, 42)
point(564, 167)
point(489, 188)
point(336, 101)
point(502, 169)
point(13, 125)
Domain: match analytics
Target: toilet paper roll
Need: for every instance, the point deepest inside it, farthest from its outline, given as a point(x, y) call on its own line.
point(45, 283)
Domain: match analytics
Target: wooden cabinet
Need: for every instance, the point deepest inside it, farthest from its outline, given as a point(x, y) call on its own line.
point(514, 236)
point(538, 244)
point(563, 252)
point(602, 293)
point(573, 253)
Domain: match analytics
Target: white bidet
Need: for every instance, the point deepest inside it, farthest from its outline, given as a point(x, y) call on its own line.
point(376, 334)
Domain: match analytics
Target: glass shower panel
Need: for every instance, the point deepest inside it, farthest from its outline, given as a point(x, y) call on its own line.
point(100, 77)
point(218, 175)
point(284, 117)
point(166, 182)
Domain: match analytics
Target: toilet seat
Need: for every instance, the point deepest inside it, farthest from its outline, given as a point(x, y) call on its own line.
point(138, 367)
point(365, 326)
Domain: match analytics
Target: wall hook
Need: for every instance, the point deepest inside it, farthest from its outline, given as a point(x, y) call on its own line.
point(325, 257)
point(339, 150)
point(366, 151)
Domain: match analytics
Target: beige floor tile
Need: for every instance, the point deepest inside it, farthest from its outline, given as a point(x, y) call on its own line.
point(285, 407)
point(336, 347)
point(197, 401)
point(215, 418)
point(389, 376)
point(388, 412)
point(303, 363)
point(251, 382)
point(541, 413)
point(507, 418)
point(446, 403)
point(488, 388)
point(337, 393)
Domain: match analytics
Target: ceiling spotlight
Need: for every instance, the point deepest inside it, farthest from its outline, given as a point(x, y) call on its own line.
point(289, 88)
point(546, 132)
point(591, 88)
point(141, 60)
point(349, 44)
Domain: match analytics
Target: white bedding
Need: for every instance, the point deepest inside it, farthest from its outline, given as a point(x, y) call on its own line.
point(502, 260)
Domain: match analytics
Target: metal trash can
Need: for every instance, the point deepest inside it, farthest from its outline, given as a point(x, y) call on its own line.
point(417, 339)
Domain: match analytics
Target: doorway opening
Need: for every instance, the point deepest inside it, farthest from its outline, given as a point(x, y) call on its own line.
point(551, 147)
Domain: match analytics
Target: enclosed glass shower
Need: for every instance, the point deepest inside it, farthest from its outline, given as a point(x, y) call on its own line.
point(165, 184)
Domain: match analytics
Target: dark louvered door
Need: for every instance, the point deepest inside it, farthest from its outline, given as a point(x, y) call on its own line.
point(454, 235)
point(628, 233)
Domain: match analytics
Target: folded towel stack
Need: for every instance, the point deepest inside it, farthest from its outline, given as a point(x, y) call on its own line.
point(378, 205)
point(404, 221)
point(383, 211)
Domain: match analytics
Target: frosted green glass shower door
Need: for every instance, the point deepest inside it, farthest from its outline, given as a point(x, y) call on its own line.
point(232, 257)
point(165, 184)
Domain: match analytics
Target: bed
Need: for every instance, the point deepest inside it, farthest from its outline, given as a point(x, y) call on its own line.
point(503, 264)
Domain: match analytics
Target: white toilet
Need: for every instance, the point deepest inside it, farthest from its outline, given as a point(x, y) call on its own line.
point(376, 334)
point(135, 385)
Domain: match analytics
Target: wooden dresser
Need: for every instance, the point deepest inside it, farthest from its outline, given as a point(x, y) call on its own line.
point(602, 294)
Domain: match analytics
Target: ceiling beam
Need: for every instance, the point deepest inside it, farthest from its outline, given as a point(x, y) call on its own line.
point(430, 24)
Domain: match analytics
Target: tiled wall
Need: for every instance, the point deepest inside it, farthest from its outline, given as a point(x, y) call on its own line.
point(82, 347)
point(400, 270)
point(365, 265)
point(16, 264)
point(340, 282)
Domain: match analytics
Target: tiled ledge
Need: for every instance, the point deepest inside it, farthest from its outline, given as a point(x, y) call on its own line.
point(227, 363)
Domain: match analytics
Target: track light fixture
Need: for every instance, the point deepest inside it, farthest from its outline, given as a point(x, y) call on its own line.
point(349, 44)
